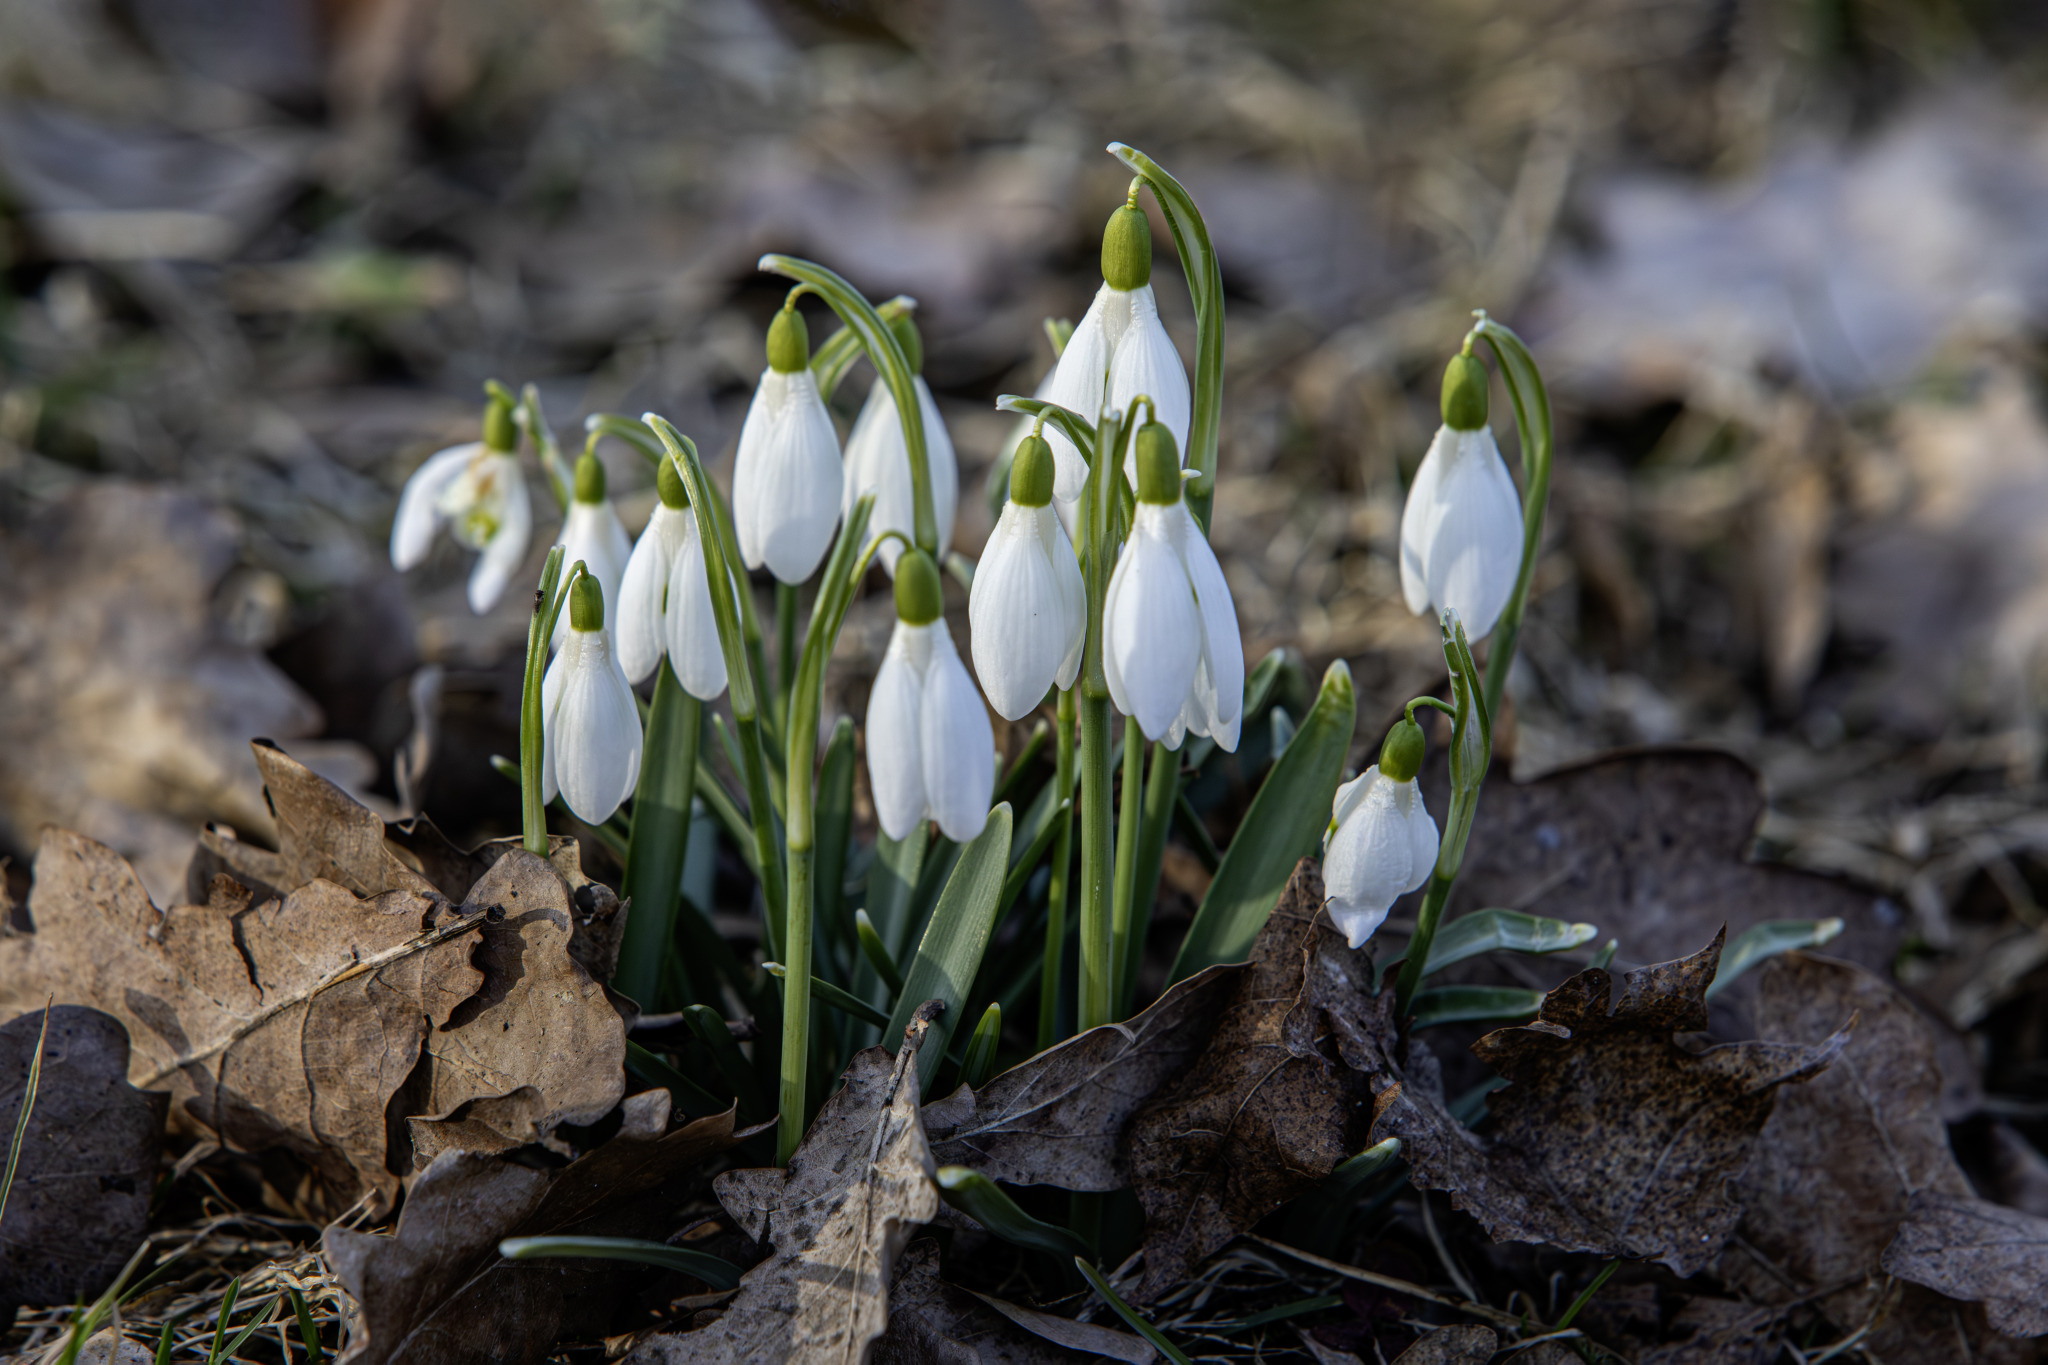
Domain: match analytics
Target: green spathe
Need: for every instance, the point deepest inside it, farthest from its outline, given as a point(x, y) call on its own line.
point(1127, 250)
point(1031, 471)
point(586, 603)
point(668, 482)
point(789, 342)
point(590, 481)
point(1401, 755)
point(499, 433)
point(910, 340)
point(918, 598)
point(1158, 465)
point(1464, 398)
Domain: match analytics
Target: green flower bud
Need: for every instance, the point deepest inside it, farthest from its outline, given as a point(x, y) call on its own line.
point(1031, 472)
point(918, 598)
point(1401, 755)
point(1127, 250)
point(669, 484)
point(589, 478)
point(499, 433)
point(911, 340)
point(586, 604)
point(789, 342)
point(1158, 465)
point(1464, 393)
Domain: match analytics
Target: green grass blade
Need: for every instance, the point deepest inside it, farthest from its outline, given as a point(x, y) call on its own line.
point(163, 1343)
point(981, 1199)
point(309, 1331)
point(28, 1104)
point(1130, 1315)
point(220, 1323)
point(834, 837)
point(1284, 824)
point(653, 879)
point(709, 1026)
point(1028, 851)
point(1767, 940)
point(1474, 1004)
point(1486, 931)
point(692, 1100)
point(260, 1320)
point(715, 1271)
point(824, 992)
point(950, 952)
point(877, 953)
point(1013, 777)
point(980, 1062)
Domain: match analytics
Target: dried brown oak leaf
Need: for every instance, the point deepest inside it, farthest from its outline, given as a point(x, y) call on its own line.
point(1465, 1344)
point(1262, 1115)
point(79, 1204)
point(314, 1022)
point(434, 1291)
point(1980, 1252)
point(838, 1216)
point(932, 1322)
point(1610, 1137)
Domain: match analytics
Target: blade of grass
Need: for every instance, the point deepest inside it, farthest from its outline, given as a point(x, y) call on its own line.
point(1130, 1315)
point(715, 1271)
point(981, 1199)
point(825, 993)
point(309, 1331)
point(28, 1104)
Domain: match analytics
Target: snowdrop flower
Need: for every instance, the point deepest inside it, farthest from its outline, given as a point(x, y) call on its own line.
point(1381, 843)
point(786, 477)
point(878, 459)
point(665, 598)
point(1027, 608)
point(1461, 533)
point(478, 491)
point(931, 749)
point(1170, 645)
point(590, 727)
point(593, 533)
point(1119, 351)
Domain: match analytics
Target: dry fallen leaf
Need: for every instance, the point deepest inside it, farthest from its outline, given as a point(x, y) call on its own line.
point(2021, 1171)
point(933, 1321)
point(838, 1216)
point(1465, 1344)
point(434, 1291)
point(80, 1200)
point(1610, 1137)
point(1262, 1115)
point(1980, 1252)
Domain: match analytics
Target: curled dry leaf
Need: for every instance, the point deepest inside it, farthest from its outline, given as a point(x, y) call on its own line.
point(1464, 1344)
point(1610, 1137)
point(1262, 1115)
point(2021, 1171)
point(315, 1021)
point(434, 1291)
point(933, 1321)
point(80, 1200)
point(837, 1217)
point(1980, 1252)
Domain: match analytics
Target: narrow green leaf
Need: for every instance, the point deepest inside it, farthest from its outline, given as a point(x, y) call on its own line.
point(692, 1100)
point(28, 1104)
point(841, 351)
point(1768, 939)
point(653, 879)
point(835, 835)
point(980, 1063)
point(950, 953)
point(1013, 776)
point(1485, 931)
point(715, 1271)
point(981, 1199)
point(220, 1323)
point(1026, 856)
point(260, 1320)
point(309, 1331)
point(1474, 1004)
point(163, 1342)
point(1196, 833)
point(877, 953)
point(709, 1026)
point(893, 878)
point(731, 816)
point(1299, 1308)
point(1071, 424)
point(824, 992)
point(1605, 956)
point(1130, 1315)
point(1284, 825)
point(1319, 1218)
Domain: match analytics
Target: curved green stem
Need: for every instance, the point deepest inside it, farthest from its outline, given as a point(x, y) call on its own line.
point(836, 355)
point(1072, 425)
point(547, 604)
point(1532, 421)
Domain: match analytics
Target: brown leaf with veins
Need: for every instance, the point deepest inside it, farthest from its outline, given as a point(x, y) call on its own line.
point(80, 1199)
point(1980, 1252)
point(932, 1322)
point(838, 1216)
point(1262, 1115)
point(434, 1290)
point(1464, 1344)
point(1610, 1137)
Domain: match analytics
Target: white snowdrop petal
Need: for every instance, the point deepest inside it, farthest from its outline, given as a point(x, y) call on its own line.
point(787, 477)
point(550, 706)
point(1220, 682)
point(1418, 522)
point(941, 464)
point(1072, 589)
point(1019, 613)
point(591, 534)
point(643, 593)
point(1080, 383)
point(502, 558)
point(690, 628)
point(957, 744)
point(419, 516)
point(1369, 861)
point(1422, 834)
point(597, 740)
point(1153, 627)
point(1146, 362)
point(1349, 796)
point(894, 726)
point(1475, 549)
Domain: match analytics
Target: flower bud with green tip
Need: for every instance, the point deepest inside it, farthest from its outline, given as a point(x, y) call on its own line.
point(787, 476)
point(665, 597)
point(878, 460)
point(931, 749)
point(593, 533)
point(478, 492)
point(590, 724)
point(1028, 609)
point(1381, 843)
point(1461, 532)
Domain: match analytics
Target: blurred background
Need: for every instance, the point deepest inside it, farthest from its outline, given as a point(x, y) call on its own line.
point(1785, 264)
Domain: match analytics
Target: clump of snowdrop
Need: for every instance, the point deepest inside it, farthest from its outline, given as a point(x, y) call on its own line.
point(478, 492)
point(1461, 532)
point(786, 478)
point(665, 598)
point(1170, 644)
point(1119, 351)
point(1028, 608)
point(1381, 843)
point(590, 724)
point(931, 749)
point(877, 459)
point(593, 533)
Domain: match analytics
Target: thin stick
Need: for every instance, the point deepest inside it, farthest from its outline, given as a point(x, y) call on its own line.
point(1352, 1272)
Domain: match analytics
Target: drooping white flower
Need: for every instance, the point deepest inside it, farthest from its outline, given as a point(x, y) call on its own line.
point(930, 747)
point(786, 478)
point(1381, 843)
point(1461, 532)
point(1028, 608)
point(479, 492)
point(1145, 363)
point(877, 459)
point(1170, 645)
point(665, 598)
point(590, 725)
point(593, 533)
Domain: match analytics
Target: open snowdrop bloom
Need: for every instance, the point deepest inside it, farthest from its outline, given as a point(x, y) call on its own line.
point(665, 598)
point(590, 726)
point(878, 459)
point(1118, 351)
point(931, 749)
point(1381, 844)
point(1461, 532)
point(786, 478)
point(1170, 645)
point(1028, 608)
point(478, 491)
point(593, 533)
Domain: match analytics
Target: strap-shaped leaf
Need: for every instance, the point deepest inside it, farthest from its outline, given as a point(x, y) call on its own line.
point(1768, 939)
point(715, 1271)
point(1076, 428)
point(950, 953)
point(1474, 1004)
point(1485, 931)
point(981, 1199)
